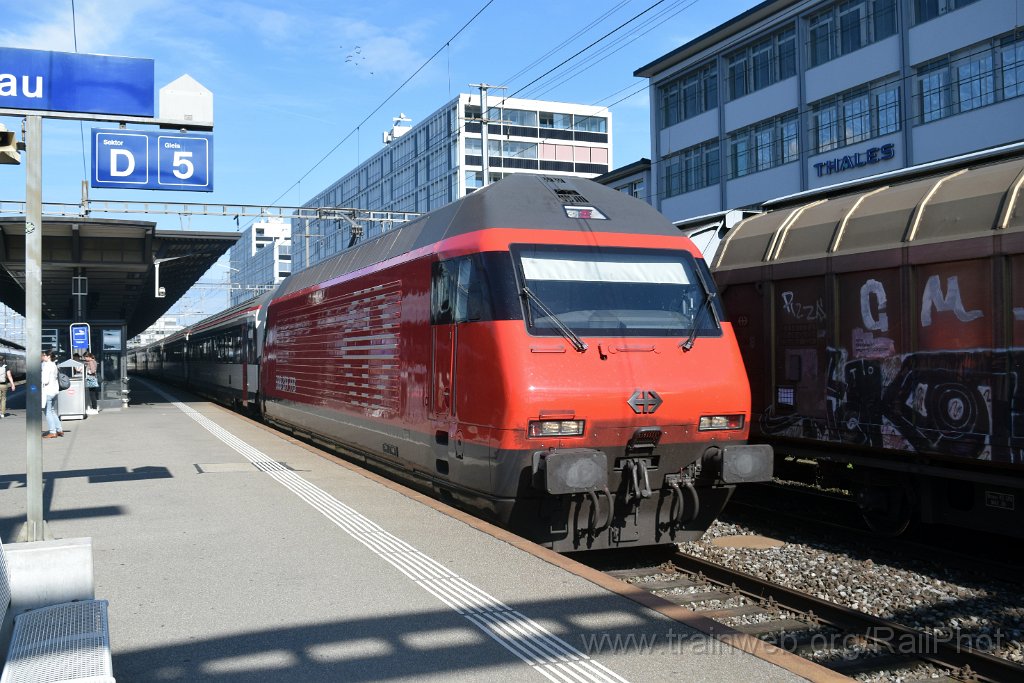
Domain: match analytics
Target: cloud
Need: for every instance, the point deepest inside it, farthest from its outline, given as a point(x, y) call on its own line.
point(98, 29)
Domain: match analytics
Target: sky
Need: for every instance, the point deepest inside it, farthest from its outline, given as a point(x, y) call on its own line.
point(303, 90)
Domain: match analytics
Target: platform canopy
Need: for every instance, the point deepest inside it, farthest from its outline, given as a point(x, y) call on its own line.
point(117, 259)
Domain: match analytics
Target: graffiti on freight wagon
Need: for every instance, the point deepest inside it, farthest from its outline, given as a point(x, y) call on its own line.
point(966, 403)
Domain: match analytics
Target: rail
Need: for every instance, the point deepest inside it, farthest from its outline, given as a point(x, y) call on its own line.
point(890, 636)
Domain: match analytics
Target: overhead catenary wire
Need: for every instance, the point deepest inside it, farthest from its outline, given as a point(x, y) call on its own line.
point(631, 36)
point(387, 99)
point(447, 44)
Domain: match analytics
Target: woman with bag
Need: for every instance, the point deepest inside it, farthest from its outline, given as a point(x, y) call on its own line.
point(50, 390)
point(92, 383)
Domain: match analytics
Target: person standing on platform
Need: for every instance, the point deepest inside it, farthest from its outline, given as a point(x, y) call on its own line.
point(92, 382)
point(50, 390)
point(6, 384)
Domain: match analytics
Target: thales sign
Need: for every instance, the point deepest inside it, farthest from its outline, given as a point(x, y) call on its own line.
point(857, 160)
point(62, 81)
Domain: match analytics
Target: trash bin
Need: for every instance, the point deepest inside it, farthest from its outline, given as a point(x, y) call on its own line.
point(72, 401)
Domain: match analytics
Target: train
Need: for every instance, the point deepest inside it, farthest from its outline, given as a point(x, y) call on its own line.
point(546, 352)
point(14, 357)
point(882, 323)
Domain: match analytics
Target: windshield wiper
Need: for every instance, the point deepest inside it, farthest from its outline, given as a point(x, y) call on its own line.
point(709, 296)
point(577, 343)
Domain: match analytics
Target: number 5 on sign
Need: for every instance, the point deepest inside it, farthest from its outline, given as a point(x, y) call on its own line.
point(183, 162)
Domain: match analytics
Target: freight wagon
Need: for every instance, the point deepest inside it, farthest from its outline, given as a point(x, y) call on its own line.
point(883, 331)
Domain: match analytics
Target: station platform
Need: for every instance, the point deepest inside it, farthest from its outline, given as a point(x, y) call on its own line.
point(232, 552)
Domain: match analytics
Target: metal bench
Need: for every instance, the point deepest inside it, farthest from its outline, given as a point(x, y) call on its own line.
point(56, 630)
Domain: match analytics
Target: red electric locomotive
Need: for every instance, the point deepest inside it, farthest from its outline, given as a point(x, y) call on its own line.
point(547, 352)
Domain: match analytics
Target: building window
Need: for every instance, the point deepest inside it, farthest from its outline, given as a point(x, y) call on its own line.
point(764, 145)
point(975, 77)
point(522, 150)
point(737, 67)
point(761, 64)
point(635, 188)
point(855, 115)
point(933, 93)
point(821, 38)
point(693, 93)
point(553, 120)
point(519, 117)
point(975, 82)
point(847, 27)
point(929, 9)
point(590, 124)
point(690, 169)
point(1012, 56)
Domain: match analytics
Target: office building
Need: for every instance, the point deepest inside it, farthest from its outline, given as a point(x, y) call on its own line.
point(424, 166)
point(260, 259)
point(798, 94)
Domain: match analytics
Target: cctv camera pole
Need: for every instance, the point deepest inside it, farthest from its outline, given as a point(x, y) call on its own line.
point(35, 527)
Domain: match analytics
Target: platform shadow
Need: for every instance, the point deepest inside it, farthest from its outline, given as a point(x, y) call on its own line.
point(408, 646)
point(9, 526)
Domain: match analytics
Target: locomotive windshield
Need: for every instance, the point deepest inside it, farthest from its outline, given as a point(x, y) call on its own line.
point(616, 292)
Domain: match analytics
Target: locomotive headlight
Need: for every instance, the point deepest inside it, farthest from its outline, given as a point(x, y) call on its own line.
point(719, 422)
point(542, 428)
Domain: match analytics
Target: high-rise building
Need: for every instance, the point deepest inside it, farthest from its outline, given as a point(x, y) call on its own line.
point(794, 95)
point(260, 259)
point(440, 159)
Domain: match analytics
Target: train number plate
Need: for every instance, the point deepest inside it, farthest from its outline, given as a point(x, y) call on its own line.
point(1000, 500)
point(391, 449)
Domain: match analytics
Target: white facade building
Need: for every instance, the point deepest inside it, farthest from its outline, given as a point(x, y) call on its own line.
point(798, 94)
point(260, 259)
point(163, 327)
point(439, 160)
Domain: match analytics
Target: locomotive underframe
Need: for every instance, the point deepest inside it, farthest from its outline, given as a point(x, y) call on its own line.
point(685, 492)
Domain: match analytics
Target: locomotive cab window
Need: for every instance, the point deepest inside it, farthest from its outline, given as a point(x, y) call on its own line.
point(458, 292)
point(616, 292)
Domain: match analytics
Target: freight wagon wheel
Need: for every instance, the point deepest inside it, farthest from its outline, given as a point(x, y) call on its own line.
point(887, 509)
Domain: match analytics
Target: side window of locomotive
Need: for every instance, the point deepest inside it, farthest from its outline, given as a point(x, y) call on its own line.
point(441, 294)
point(469, 291)
point(459, 292)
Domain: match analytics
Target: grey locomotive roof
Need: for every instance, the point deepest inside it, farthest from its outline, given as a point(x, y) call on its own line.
point(518, 201)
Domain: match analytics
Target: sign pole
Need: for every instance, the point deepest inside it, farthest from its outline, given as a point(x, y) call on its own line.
point(35, 526)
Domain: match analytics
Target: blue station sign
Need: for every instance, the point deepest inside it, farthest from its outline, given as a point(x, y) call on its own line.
point(81, 83)
point(144, 160)
point(80, 336)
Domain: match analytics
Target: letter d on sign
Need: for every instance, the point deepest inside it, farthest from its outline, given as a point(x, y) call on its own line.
point(129, 160)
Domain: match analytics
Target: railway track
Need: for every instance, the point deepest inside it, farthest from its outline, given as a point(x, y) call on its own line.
point(769, 506)
point(842, 639)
